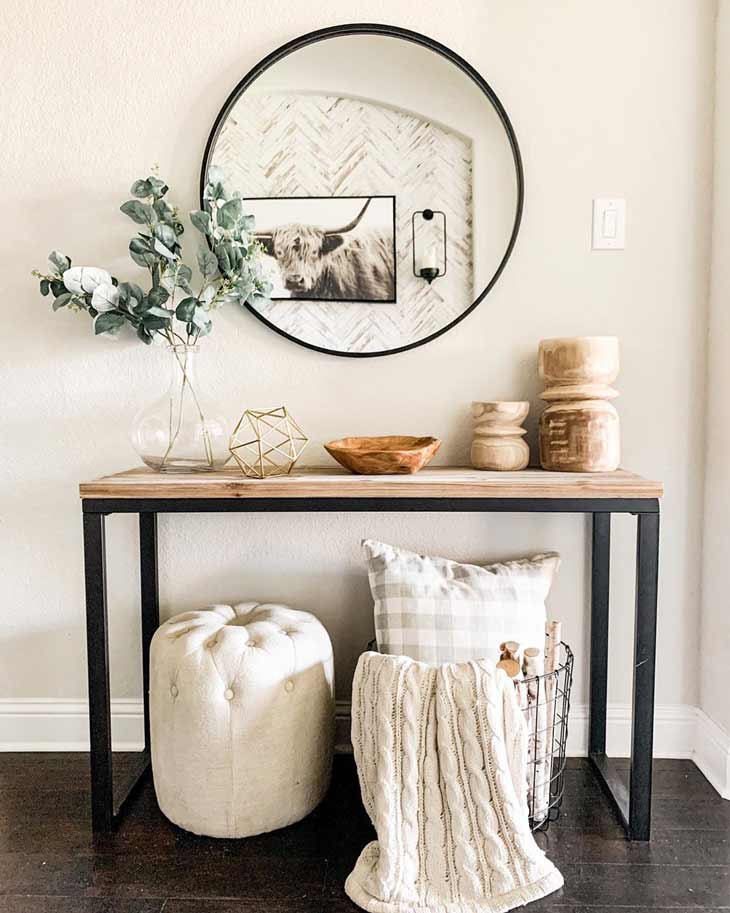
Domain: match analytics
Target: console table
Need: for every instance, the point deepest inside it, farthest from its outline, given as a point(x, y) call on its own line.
point(147, 493)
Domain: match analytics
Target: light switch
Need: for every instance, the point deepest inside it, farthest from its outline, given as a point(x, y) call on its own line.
point(609, 224)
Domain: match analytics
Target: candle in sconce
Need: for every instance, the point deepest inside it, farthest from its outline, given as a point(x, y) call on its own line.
point(430, 260)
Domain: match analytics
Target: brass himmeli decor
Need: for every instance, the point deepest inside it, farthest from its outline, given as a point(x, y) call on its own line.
point(267, 443)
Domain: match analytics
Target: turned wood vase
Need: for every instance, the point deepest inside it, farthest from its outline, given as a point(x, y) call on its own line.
point(579, 430)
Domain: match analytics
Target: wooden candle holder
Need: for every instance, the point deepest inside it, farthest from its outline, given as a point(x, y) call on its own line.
point(579, 430)
point(498, 440)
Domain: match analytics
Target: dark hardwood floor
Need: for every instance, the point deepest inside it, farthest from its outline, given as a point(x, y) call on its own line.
point(50, 864)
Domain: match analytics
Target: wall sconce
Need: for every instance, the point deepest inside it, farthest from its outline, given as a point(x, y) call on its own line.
point(432, 245)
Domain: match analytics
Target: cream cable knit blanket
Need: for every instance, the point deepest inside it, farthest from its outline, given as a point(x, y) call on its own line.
point(441, 753)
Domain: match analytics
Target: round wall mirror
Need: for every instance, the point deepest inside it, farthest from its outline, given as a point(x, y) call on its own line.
point(386, 184)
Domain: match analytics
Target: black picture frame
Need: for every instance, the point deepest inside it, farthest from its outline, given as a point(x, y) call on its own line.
point(389, 31)
point(346, 196)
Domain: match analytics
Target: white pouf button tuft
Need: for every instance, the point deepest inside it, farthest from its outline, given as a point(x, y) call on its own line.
point(234, 768)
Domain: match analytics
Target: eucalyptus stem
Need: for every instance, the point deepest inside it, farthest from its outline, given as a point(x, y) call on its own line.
point(206, 434)
point(228, 261)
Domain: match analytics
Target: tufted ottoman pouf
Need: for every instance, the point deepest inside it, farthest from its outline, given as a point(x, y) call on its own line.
point(242, 717)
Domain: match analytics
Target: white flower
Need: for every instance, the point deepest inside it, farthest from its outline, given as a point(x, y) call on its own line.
point(81, 279)
point(105, 297)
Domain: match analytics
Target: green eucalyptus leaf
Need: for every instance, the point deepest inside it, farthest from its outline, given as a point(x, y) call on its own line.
point(164, 250)
point(141, 213)
point(201, 220)
point(141, 252)
point(62, 301)
point(223, 255)
point(109, 322)
point(57, 287)
point(165, 234)
point(214, 191)
point(158, 296)
point(229, 214)
point(155, 311)
point(248, 223)
point(144, 335)
point(184, 274)
point(59, 260)
point(157, 187)
point(45, 287)
point(164, 210)
point(141, 189)
point(207, 262)
point(185, 311)
point(245, 286)
point(236, 256)
point(201, 318)
point(131, 291)
point(155, 323)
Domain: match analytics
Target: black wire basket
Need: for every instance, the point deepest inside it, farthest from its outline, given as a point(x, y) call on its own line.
point(545, 700)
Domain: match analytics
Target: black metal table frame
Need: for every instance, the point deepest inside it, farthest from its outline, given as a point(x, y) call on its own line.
point(632, 800)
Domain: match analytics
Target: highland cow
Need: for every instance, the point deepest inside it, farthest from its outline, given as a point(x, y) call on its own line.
point(337, 264)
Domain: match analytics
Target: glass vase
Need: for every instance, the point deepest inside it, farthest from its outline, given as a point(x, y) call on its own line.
point(182, 431)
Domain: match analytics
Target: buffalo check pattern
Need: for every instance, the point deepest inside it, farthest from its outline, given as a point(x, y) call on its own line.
point(435, 610)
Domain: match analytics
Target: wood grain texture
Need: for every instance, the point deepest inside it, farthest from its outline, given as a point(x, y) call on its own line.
point(579, 430)
point(392, 454)
point(497, 442)
point(578, 367)
point(50, 862)
point(580, 436)
point(432, 482)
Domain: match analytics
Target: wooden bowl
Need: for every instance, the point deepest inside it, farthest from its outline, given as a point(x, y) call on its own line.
point(383, 455)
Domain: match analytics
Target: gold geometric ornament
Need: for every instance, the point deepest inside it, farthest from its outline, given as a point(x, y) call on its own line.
point(267, 443)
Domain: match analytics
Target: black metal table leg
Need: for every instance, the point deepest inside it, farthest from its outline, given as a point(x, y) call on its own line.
point(150, 601)
point(108, 798)
point(600, 579)
point(97, 647)
point(633, 802)
point(642, 725)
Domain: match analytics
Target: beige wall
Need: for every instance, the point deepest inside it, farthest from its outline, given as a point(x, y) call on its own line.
point(94, 93)
point(715, 645)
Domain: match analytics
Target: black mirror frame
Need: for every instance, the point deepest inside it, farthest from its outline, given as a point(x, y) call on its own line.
point(390, 31)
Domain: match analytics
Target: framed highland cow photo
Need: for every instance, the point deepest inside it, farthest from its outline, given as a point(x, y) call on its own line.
point(328, 248)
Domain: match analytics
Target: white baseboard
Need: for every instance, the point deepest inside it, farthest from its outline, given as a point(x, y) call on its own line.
point(47, 724)
point(674, 731)
point(680, 731)
point(712, 753)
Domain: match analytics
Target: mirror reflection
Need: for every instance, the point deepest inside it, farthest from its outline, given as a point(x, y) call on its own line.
point(384, 190)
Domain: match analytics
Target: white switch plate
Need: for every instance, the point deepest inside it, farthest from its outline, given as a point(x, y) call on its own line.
point(609, 224)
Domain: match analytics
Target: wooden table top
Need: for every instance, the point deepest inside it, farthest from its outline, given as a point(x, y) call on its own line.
point(431, 482)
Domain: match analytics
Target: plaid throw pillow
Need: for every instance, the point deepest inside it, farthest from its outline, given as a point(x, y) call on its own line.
point(435, 610)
